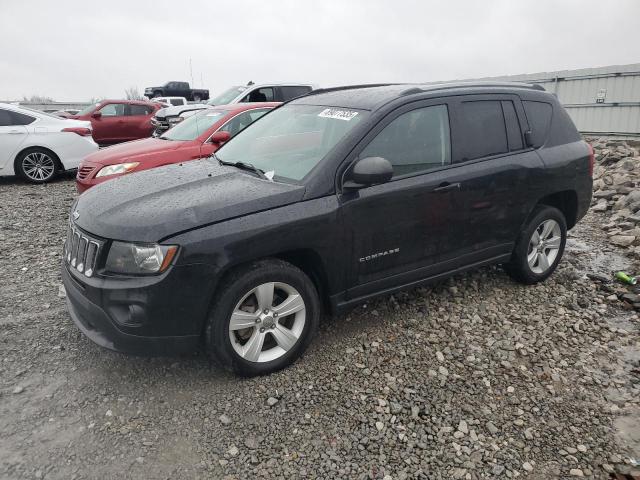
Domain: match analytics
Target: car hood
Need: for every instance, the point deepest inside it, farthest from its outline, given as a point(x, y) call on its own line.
point(153, 205)
point(176, 110)
point(137, 150)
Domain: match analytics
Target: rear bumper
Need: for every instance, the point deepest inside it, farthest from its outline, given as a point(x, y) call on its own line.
point(99, 321)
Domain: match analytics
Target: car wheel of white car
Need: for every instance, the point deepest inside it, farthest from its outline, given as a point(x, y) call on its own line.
point(37, 165)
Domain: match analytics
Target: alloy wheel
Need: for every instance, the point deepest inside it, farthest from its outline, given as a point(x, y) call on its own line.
point(544, 246)
point(267, 322)
point(38, 166)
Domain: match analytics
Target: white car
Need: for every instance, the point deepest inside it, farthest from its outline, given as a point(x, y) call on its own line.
point(173, 101)
point(36, 145)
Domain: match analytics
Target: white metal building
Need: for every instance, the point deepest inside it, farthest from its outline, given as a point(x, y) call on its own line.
point(602, 101)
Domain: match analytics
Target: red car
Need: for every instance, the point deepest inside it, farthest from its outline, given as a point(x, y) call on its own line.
point(116, 121)
point(197, 136)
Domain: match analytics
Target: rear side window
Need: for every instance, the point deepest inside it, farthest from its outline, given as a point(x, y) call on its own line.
point(539, 118)
point(176, 101)
point(416, 141)
point(135, 110)
point(5, 118)
point(293, 91)
point(113, 110)
point(514, 133)
point(9, 118)
point(483, 127)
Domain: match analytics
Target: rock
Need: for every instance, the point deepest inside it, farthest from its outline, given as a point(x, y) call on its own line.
point(582, 448)
point(492, 428)
point(576, 472)
point(233, 451)
point(62, 293)
point(224, 419)
point(379, 426)
point(527, 466)
point(463, 427)
point(17, 390)
point(601, 206)
point(395, 408)
point(271, 401)
point(440, 357)
point(606, 194)
point(622, 240)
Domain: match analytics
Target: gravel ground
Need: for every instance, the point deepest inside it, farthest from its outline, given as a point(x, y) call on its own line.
point(477, 377)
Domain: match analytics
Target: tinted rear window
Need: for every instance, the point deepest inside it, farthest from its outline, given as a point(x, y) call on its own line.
point(483, 129)
point(539, 118)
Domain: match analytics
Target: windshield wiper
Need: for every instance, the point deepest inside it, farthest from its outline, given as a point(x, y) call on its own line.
point(244, 166)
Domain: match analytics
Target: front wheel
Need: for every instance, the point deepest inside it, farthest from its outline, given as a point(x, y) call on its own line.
point(539, 247)
point(263, 319)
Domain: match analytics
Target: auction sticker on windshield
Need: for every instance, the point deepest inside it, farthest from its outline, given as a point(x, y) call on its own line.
point(346, 115)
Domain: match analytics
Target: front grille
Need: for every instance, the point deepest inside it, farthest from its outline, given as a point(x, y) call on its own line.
point(83, 172)
point(81, 251)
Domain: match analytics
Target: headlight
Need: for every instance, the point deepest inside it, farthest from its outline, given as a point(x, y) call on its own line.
point(139, 259)
point(174, 120)
point(117, 169)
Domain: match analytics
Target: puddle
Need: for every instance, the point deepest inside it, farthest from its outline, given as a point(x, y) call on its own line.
point(592, 259)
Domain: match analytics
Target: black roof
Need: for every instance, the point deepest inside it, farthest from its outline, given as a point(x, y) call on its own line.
point(371, 97)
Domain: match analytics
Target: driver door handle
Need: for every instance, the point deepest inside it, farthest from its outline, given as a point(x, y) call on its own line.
point(446, 186)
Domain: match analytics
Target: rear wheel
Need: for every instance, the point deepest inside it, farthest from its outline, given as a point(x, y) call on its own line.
point(37, 165)
point(263, 319)
point(539, 247)
point(197, 98)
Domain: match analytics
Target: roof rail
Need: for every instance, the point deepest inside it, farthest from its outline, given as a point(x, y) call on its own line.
point(450, 85)
point(348, 87)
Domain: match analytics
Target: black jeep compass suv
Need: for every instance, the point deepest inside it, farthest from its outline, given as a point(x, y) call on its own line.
point(326, 201)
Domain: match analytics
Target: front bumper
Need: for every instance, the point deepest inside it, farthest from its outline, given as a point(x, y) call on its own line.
point(141, 316)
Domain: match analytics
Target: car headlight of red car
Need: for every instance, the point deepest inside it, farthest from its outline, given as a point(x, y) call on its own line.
point(117, 169)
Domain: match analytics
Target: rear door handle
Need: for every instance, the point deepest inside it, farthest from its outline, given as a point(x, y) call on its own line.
point(445, 187)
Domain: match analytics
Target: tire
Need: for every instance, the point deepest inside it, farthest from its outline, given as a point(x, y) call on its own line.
point(157, 94)
point(197, 98)
point(37, 165)
point(533, 262)
point(261, 341)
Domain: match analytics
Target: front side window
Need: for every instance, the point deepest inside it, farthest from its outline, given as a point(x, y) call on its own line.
point(242, 121)
point(135, 110)
point(194, 126)
point(113, 110)
point(292, 139)
point(483, 129)
point(416, 141)
point(264, 94)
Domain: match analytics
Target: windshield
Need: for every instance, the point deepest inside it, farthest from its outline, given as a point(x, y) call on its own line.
point(226, 96)
point(292, 139)
point(192, 127)
point(88, 109)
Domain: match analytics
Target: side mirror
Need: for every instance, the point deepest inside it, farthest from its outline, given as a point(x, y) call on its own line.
point(220, 137)
point(96, 114)
point(369, 171)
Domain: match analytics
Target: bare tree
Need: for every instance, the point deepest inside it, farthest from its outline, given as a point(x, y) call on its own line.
point(132, 93)
point(37, 99)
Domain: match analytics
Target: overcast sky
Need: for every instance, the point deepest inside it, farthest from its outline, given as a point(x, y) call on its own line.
point(77, 50)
